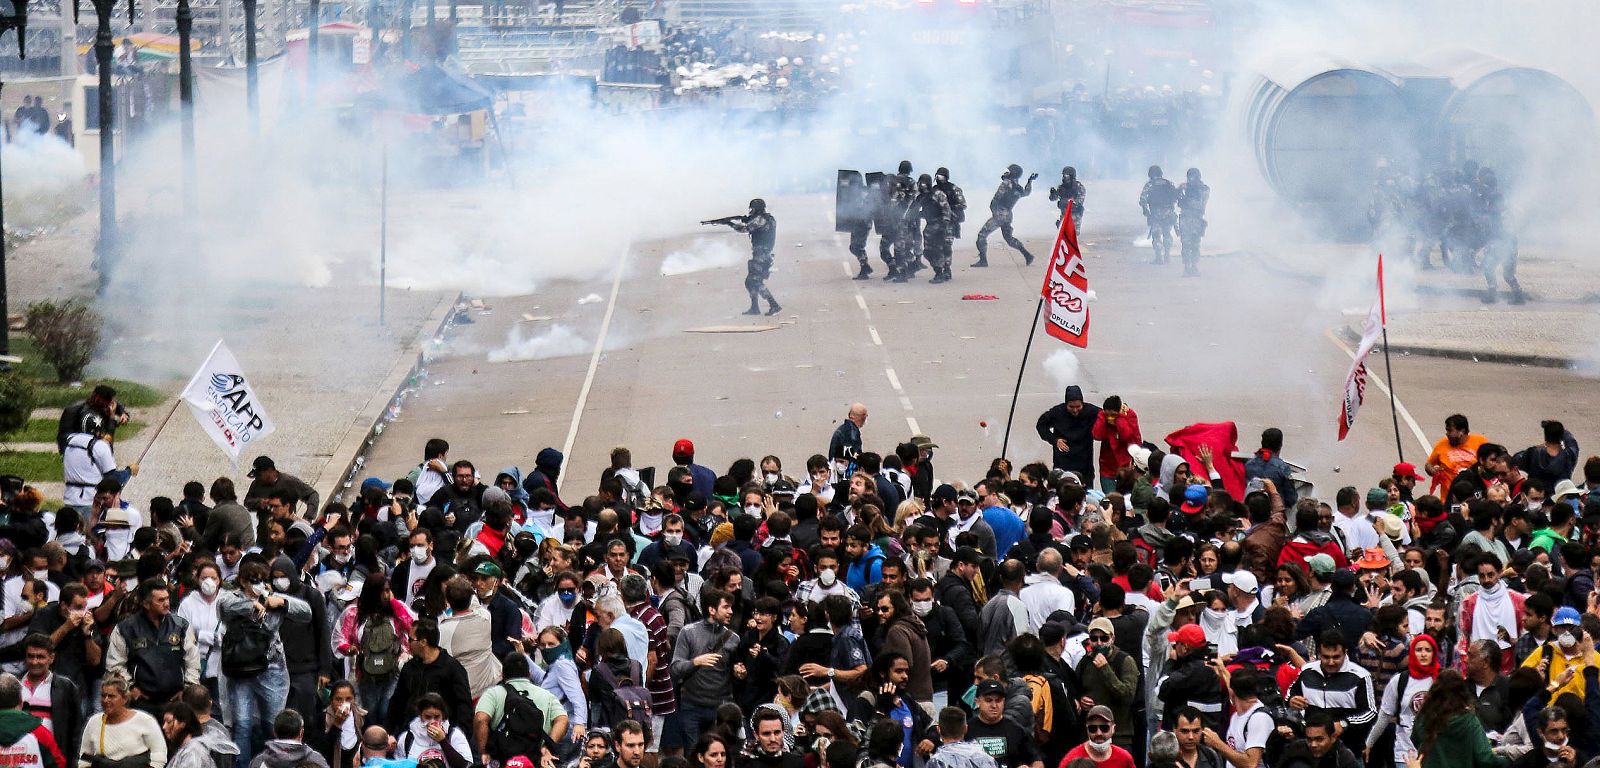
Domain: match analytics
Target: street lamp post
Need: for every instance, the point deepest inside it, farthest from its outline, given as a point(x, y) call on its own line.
point(311, 56)
point(106, 245)
point(13, 15)
point(186, 101)
point(252, 86)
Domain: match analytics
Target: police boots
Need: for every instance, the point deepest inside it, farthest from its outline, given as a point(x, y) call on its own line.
point(983, 255)
point(866, 271)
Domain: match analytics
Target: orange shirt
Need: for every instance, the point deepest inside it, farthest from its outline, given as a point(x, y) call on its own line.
point(1452, 459)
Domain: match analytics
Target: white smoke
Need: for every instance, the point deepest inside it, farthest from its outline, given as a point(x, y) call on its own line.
point(707, 254)
point(558, 341)
point(1063, 367)
point(44, 180)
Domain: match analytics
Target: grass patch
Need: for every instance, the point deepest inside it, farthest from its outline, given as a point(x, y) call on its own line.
point(33, 466)
point(55, 395)
point(44, 431)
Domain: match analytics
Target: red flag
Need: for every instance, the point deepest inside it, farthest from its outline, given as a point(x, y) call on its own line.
point(1383, 310)
point(1066, 288)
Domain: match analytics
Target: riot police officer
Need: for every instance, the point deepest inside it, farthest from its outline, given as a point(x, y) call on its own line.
point(1193, 195)
point(763, 231)
point(1500, 245)
point(860, 203)
point(952, 194)
point(1158, 201)
point(1070, 190)
point(895, 225)
point(938, 235)
point(1000, 214)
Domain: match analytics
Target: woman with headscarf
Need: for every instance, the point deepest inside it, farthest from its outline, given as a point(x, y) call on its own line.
point(1403, 697)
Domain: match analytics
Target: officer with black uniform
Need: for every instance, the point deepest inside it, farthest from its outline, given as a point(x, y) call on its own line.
point(861, 202)
point(763, 231)
point(954, 195)
point(900, 191)
point(938, 235)
point(1158, 200)
point(1000, 213)
point(1070, 190)
point(1193, 195)
point(1500, 245)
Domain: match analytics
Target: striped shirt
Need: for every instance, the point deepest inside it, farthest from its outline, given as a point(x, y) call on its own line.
point(663, 698)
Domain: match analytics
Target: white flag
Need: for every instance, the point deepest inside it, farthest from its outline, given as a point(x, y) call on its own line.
point(1355, 383)
point(227, 408)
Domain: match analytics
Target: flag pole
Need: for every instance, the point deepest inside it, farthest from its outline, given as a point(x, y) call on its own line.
point(1388, 369)
point(175, 403)
point(1016, 391)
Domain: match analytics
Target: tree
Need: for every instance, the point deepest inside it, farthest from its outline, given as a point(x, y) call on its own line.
point(67, 333)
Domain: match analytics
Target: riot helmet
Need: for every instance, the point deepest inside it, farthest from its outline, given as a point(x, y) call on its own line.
point(924, 182)
point(1014, 171)
point(758, 206)
point(1194, 174)
point(1155, 172)
point(1069, 172)
point(905, 167)
point(943, 174)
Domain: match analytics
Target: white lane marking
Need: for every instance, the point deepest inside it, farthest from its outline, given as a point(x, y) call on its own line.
point(1422, 438)
point(594, 364)
point(905, 402)
point(894, 381)
point(888, 368)
point(873, 332)
point(911, 423)
point(848, 271)
point(861, 302)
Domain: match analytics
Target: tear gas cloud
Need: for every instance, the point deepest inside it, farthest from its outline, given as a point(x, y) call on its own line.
point(556, 341)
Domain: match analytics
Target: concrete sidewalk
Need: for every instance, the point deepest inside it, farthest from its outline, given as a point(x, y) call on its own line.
point(1441, 313)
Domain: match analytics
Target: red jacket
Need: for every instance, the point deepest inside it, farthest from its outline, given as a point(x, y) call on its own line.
point(1298, 550)
point(1115, 439)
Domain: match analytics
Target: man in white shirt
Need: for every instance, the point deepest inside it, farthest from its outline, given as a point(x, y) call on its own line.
point(1250, 725)
point(1044, 593)
point(86, 461)
point(114, 520)
point(1353, 523)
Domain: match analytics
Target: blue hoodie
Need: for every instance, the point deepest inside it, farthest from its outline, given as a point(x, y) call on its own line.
point(518, 493)
point(867, 569)
point(546, 469)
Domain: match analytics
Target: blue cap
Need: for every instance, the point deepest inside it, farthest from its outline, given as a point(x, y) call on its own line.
point(374, 482)
point(1567, 615)
point(1195, 494)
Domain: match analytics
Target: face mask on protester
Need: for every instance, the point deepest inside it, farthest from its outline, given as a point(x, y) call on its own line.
point(341, 558)
point(419, 555)
point(5, 562)
point(549, 655)
point(922, 607)
point(754, 510)
point(41, 574)
point(771, 477)
point(209, 587)
point(826, 577)
point(672, 539)
point(1567, 641)
point(281, 583)
point(568, 596)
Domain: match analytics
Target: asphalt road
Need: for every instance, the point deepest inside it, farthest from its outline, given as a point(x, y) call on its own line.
point(1241, 343)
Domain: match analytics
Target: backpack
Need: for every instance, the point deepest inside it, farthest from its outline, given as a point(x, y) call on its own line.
point(1054, 712)
point(521, 729)
point(379, 647)
point(615, 700)
point(1147, 552)
point(71, 422)
point(245, 646)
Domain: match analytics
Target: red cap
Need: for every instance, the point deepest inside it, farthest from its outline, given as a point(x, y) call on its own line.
point(683, 448)
point(1407, 469)
point(1189, 634)
point(520, 761)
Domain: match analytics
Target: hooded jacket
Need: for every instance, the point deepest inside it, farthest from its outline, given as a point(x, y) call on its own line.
point(1057, 424)
point(546, 471)
point(908, 636)
point(1305, 544)
point(283, 753)
point(306, 651)
point(961, 754)
point(22, 734)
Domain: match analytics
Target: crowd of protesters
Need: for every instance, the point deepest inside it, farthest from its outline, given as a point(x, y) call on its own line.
point(1126, 604)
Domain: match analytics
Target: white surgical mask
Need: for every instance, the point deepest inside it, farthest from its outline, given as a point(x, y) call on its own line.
point(672, 539)
point(281, 583)
point(341, 557)
point(1555, 746)
point(1566, 640)
point(771, 477)
point(41, 574)
point(753, 510)
point(419, 555)
point(5, 562)
point(922, 607)
point(209, 587)
point(826, 577)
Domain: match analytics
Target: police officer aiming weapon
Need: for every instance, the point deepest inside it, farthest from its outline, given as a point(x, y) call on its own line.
point(763, 230)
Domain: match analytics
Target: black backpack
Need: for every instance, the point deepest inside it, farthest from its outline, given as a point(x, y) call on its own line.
point(616, 699)
point(244, 647)
point(521, 729)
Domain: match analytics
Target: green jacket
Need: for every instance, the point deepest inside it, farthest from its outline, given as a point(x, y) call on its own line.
point(16, 724)
point(1548, 540)
point(1460, 745)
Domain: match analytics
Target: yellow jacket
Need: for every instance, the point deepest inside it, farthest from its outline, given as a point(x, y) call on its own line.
point(1559, 662)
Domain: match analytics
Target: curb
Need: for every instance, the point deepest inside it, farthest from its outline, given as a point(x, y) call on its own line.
point(352, 448)
point(1353, 337)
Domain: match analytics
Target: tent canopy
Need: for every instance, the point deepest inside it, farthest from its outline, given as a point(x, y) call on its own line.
point(433, 90)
